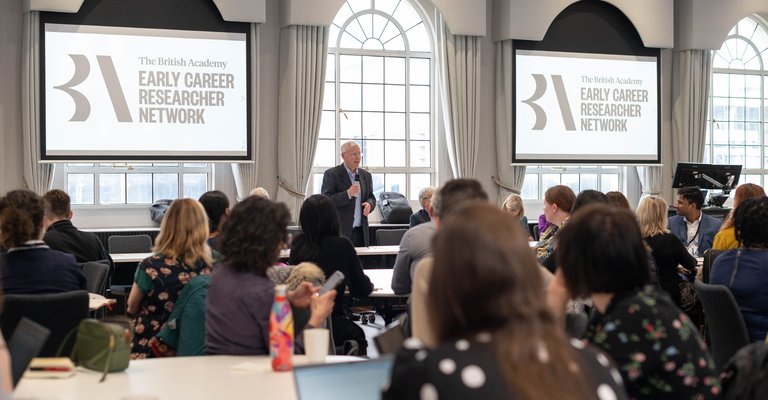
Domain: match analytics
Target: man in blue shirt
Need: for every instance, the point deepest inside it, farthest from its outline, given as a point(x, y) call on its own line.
point(694, 228)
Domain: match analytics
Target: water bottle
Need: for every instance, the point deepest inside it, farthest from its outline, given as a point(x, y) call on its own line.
point(281, 331)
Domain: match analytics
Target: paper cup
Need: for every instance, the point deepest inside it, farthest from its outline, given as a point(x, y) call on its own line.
point(316, 345)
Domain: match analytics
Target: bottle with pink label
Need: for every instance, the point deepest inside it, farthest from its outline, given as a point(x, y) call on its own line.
point(281, 331)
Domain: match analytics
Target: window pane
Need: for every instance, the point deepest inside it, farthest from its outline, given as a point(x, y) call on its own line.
point(395, 126)
point(326, 153)
point(112, 188)
point(165, 186)
point(349, 97)
point(373, 97)
point(753, 157)
point(394, 98)
point(588, 181)
point(317, 183)
point(419, 73)
point(420, 154)
point(378, 184)
point(530, 188)
point(350, 125)
point(195, 165)
point(394, 71)
point(394, 153)
point(406, 15)
point(329, 97)
point(139, 188)
point(572, 181)
point(418, 40)
point(195, 185)
point(373, 69)
point(549, 180)
point(609, 182)
point(80, 188)
point(395, 183)
point(419, 98)
point(373, 125)
point(373, 153)
point(418, 182)
point(328, 125)
point(420, 126)
point(350, 68)
point(330, 66)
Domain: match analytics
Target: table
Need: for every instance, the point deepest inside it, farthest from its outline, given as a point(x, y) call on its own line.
point(285, 253)
point(189, 378)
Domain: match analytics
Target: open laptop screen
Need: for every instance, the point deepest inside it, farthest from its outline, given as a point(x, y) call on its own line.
point(362, 380)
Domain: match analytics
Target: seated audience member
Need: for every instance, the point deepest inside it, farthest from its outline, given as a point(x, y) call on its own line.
point(240, 295)
point(184, 332)
point(543, 224)
point(745, 270)
point(260, 192)
point(415, 245)
point(320, 242)
point(216, 205)
point(617, 199)
point(63, 236)
point(558, 201)
point(694, 228)
point(513, 205)
point(181, 253)
point(669, 255)
point(726, 238)
point(28, 265)
point(422, 216)
point(658, 350)
point(497, 337)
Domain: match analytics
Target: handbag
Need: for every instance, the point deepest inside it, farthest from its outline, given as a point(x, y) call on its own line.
point(102, 345)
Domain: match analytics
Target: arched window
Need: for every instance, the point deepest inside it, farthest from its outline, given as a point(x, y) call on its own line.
point(379, 92)
point(738, 112)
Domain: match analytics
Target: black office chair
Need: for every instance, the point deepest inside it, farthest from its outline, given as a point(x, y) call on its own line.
point(26, 342)
point(59, 312)
point(709, 259)
point(727, 330)
point(389, 237)
point(119, 244)
point(391, 339)
point(95, 276)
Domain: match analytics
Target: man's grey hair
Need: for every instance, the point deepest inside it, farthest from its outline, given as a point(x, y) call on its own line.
point(426, 193)
point(346, 145)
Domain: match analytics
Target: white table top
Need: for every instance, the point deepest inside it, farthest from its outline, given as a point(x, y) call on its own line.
point(361, 251)
point(382, 282)
point(206, 377)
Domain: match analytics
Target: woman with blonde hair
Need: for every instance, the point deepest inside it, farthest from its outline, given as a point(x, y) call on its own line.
point(181, 253)
point(513, 205)
point(668, 252)
point(726, 238)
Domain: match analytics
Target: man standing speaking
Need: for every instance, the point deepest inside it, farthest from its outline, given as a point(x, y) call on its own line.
point(351, 190)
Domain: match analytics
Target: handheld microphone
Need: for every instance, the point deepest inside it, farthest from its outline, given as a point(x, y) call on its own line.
point(357, 181)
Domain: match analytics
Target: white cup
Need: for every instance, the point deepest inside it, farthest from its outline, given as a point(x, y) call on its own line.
point(316, 344)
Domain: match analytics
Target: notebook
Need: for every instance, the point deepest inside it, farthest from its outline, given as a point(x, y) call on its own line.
point(362, 380)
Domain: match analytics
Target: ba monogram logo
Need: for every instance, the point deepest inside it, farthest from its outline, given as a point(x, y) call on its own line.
point(109, 75)
point(562, 101)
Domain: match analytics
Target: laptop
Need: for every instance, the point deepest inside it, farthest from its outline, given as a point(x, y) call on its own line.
point(362, 380)
point(25, 344)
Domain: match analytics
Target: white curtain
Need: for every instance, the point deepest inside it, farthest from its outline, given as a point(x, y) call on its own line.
point(650, 180)
point(303, 55)
point(691, 71)
point(37, 177)
point(246, 174)
point(459, 58)
point(509, 179)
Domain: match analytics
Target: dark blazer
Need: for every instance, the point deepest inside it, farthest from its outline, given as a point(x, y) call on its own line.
point(708, 228)
point(335, 184)
point(85, 246)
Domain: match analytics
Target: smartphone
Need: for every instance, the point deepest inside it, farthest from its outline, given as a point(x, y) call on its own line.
point(334, 280)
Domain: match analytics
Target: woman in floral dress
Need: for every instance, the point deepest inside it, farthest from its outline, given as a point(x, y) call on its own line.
point(180, 254)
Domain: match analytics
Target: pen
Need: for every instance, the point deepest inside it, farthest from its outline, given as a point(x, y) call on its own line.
point(51, 369)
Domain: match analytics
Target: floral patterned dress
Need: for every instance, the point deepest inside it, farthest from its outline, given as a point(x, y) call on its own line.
point(656, 347)
point(161, 279)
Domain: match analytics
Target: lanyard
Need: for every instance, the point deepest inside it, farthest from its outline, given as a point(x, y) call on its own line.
point(694, 235)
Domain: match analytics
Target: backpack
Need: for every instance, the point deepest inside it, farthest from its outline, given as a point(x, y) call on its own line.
point(158, 208)
point(745, 376)
point(394, 208)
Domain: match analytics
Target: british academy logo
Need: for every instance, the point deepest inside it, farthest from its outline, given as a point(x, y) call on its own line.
point(562, 101)
point(112, 83)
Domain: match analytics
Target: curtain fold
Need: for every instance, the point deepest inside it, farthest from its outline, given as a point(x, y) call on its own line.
point(246, 174)
point(38, 177)
point(303, 55)
point(509, 179)
point(650, 180)
point(691, 71)
point(459, 59)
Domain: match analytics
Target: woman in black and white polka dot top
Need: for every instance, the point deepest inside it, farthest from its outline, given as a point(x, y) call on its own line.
point(498, 338)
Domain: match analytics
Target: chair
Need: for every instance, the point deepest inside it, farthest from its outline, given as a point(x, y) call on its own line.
point(391, 339)
point(26, 342)
point(95, 276)
point(728, 332)
point(389, 237)
point(119, 244)
point(709, 259)
point(59, 312)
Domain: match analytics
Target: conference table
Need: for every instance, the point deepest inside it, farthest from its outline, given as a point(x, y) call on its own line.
point(189, 378)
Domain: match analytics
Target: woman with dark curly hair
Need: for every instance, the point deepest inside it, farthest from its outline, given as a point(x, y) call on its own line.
point(745, 270)
point(240, 295)
point(28, 265)
point(321, 243)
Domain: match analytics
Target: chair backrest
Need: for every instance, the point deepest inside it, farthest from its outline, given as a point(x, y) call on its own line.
point(391, 339)
point(389, 237)
point(727, 330)
point(96, 274)
point(26, 342)
point(709, 259)
point(129, 244)
point(59, 312)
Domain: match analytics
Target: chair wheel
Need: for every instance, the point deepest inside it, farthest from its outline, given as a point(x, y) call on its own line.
point(364, 319)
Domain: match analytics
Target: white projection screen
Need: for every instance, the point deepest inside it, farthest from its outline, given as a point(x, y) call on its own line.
point(575, 108)
point(121, 93)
